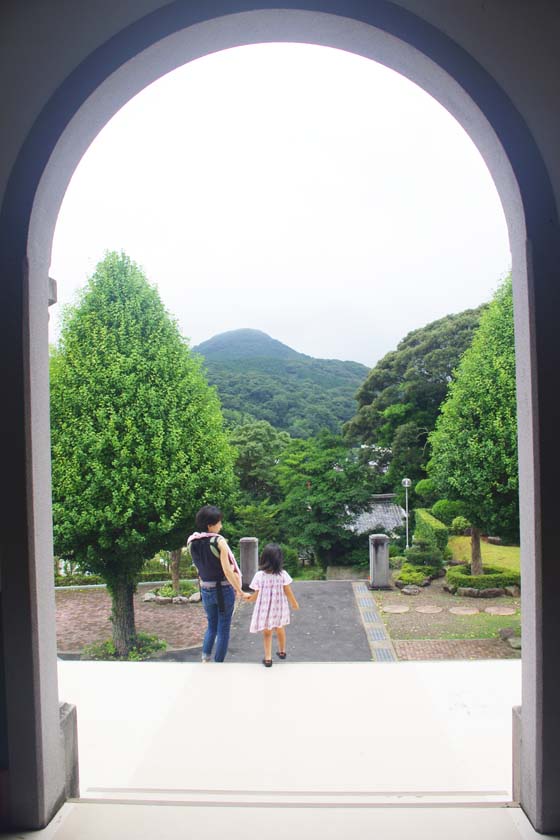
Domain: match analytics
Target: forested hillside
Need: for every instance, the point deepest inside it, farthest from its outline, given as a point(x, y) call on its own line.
point(400, 400)
point(259, 377)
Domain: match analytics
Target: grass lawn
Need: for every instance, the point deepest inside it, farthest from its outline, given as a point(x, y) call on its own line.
point(449, 626)
point(492, 555)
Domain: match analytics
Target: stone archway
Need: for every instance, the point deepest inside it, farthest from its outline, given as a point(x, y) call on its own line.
point(82, 104)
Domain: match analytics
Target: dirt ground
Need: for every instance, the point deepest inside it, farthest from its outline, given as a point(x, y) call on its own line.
point(83, 617)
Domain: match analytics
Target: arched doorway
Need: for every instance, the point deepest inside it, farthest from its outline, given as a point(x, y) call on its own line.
point(84, 101)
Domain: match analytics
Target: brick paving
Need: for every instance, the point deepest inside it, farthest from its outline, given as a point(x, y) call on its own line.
point(423, 649)
point(83, 617)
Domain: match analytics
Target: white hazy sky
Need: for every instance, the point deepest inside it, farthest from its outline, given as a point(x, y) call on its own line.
point(296, 189)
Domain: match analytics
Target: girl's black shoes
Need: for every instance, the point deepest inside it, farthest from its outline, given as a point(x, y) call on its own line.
point(281, 655)
point(267, 663)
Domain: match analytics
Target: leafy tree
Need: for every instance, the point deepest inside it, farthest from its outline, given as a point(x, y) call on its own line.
point(400, 399)
point(137, 437)
point(474, 445)
point(325, 484)
point(254, 518)
point(258, 446)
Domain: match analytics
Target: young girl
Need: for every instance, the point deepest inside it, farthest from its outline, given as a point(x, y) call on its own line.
point(273, 592)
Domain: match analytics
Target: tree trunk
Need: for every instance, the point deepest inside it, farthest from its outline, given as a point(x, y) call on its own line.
point(476, 556)
point(122, 616)
point(175, 560)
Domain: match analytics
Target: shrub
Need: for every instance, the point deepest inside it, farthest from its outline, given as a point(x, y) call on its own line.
point(424, 553)
point(187, 588)
point(292, 562)
point(310, 573)
point(415, 575)
point(447, 510)
point(460, 525)
point(396, 561)
point(494, 577)
point(428, 527)
point(146, 646)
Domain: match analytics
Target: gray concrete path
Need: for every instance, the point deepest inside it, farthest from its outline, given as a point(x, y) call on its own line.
point(327, 628)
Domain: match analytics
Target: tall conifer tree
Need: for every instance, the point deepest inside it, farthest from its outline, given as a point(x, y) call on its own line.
point(137, 437)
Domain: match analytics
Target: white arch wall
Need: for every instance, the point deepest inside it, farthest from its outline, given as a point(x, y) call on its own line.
point(497, 39)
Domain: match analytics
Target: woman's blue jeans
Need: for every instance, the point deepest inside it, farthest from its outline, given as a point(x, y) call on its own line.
point(218, 623)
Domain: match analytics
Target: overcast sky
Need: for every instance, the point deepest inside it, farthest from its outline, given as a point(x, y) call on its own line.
point(296, 189)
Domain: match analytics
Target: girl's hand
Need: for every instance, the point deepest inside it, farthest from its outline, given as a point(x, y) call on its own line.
point(295, 605)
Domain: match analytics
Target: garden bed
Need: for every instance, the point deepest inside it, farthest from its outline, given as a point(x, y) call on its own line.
point(444, 625)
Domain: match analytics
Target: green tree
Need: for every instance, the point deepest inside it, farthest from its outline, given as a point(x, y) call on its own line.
point(137, 437)
point(258, 446)
point(400, 399)
point(474, 445)
point(325, 484)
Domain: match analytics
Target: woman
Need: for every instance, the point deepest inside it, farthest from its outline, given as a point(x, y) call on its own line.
point(220, 580)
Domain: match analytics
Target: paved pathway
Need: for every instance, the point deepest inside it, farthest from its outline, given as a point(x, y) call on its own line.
point(380, 644)
point(327, 628)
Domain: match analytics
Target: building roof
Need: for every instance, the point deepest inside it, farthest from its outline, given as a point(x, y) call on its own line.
point(383, 516)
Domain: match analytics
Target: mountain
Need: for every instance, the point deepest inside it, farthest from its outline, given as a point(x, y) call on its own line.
point(245, 344)
point(258, 377)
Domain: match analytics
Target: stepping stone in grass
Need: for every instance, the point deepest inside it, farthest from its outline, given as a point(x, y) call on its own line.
point(500, 610)
point(463, 610)
point(395, 608)
point(429, 608)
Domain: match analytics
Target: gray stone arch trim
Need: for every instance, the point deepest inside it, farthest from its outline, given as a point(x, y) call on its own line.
point(36, 186)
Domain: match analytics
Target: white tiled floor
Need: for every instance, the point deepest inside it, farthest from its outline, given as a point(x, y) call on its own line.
point(420, 727)
point(299, 750)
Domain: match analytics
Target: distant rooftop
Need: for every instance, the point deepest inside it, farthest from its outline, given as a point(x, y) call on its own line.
point(383, 516)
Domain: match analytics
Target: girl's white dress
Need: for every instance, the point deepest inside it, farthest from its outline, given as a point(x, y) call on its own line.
point(271, 607)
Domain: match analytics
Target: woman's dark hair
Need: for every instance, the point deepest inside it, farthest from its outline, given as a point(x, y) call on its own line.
point(272, 559)
point(207, 515)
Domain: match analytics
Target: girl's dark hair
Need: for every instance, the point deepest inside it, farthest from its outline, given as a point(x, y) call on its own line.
point(272, 559)
point(207, 515)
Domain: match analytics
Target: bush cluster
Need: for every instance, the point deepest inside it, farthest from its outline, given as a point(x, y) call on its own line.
point(416, 575)
point(429, 543)
point(145, 648)
point(446, 510)
point(186, 588)
point(494, 577)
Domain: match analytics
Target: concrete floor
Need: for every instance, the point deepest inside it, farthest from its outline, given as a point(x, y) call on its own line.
point(299, 750)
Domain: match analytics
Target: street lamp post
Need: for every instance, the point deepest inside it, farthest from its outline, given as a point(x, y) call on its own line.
point(406, 482)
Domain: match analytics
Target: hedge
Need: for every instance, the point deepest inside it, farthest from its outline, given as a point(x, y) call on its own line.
point(90, 580)
point(428, 527)
point(77, 580)
point(494, 577)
